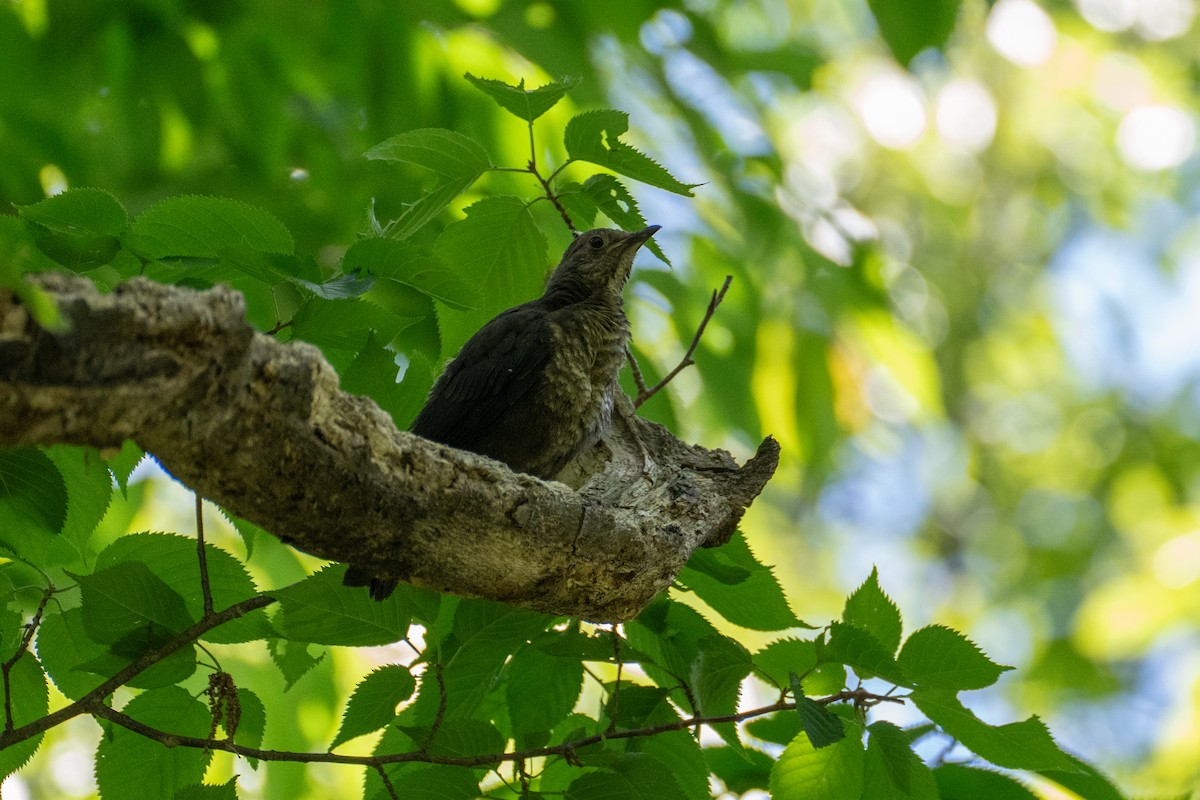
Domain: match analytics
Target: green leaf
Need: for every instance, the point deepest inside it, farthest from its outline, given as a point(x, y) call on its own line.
point(373, 703)
point(127, 602)
point(341, 287)
point(405, 264)
point(822, 727)
point(1085, 781)
point(958, 782)
point(831, 773)
point(32, 486)
point(320, 610)
point(207, 791)
point(79, 212)
point(201, 227)
point(62, 645)
point(292, 659)
point(630, 776)
point(541, 689)
point(463, 738)
point(426, 782)
point(858, 649)
point(681, 756)
point(124, 462)
point(133, 767)
point(595, 136)
point(757, 602)
point(716, 677)
point(778, 728)
point(29, 701)
point(1017, 745)
point(873, 611)
point(910, 26)
point(344, 325)
point(894, 771)
point(528, 104)
point(717, 566)
point(456, 160)
point(373, 373)
point(740, 770)
point(173, 558)
point(780, 659)
point(253, 723)
point(937, 657)
point(499, 249)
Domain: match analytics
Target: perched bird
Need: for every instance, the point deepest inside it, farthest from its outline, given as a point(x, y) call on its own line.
point(534, 386)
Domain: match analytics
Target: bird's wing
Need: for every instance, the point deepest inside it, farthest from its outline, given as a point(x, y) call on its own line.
point(490, 375)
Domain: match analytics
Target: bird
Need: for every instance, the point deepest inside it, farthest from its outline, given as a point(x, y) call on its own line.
point(535, 386)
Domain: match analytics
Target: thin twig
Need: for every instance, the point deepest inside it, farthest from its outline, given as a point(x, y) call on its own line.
point(551, 196)
point(26, 638)
point(143, 662)
point(566, 749)
point(387, 782)
point(441, 711)
point(686, 361)
point(616, 692)
point(205, 588)
point(638, 380)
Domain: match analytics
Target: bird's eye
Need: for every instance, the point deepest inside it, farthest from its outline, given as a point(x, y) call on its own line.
point(595, 243)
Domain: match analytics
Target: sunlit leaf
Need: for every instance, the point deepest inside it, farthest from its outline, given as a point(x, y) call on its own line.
point(528, 104)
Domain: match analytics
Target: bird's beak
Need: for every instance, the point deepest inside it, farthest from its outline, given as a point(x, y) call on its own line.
point(641, 236)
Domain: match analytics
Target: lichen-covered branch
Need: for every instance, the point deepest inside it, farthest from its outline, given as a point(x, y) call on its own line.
point(262, 428)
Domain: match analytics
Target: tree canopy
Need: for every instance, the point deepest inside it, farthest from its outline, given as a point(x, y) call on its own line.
point(962, 251)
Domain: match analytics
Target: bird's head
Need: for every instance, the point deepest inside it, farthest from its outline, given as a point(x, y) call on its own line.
point(598, 261)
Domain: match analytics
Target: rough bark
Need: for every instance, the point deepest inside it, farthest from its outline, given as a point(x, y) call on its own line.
point(261, 428)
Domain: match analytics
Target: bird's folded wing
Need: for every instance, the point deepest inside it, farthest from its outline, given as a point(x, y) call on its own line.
point(492, 373)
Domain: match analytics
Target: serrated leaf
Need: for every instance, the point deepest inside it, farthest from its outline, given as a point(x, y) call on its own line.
point(209, 791)
point(79, 212)
point(617, 203)
point(344, 325)
point(873, 611)
point(32, 486)
point(778, 728)
point(462, 738)
point(910, 26)
point(528, 104)
point(373, 702)
point(717, 566)
point(668, 633)
point(292, 659)
point(858, 649)
point(457, 160)
point(821, 726)
point(894, 771)
point(29, 701)
point(959, 782)
point(757, 602)
point(89, 491)
point(580, 207)
point(427, 782)
point(373, 373)
point(541, 689)
point(1087, 781)
point(1017, 745)
point(937, 657)
point(595, 137)
point(405, 264)
point(201, 227)
point(780, 659)
point(253, 722)
point(499, 249)
point(173, 559)
point(320, 610)
point(716, 677)
point(740, 770)
point(133, 767)
point(124, 462)
point(831, 773)
point(127, 598)
point(341, 287)
point(630, 776)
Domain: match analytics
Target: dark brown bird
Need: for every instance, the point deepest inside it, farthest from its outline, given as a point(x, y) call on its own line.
point(534, 387)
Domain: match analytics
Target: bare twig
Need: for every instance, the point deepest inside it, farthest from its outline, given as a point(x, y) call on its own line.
point(205, 588)
point(567, 749)
point(551, 196)
point(26, 638)
point(89, 701)
point(635, 368)
point(686, 361)
point(387, 782)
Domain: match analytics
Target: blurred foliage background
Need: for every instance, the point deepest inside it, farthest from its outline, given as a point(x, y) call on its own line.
point(964, 287)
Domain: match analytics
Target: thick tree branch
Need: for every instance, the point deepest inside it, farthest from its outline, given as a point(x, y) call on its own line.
point(262, 428)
